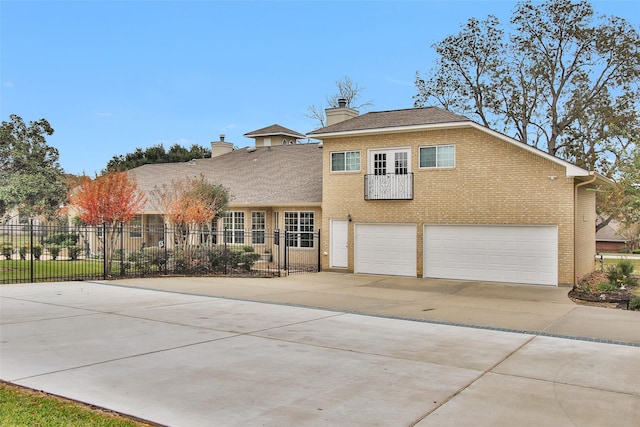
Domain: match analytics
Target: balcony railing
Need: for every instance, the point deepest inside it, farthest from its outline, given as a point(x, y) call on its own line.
point(388, 187)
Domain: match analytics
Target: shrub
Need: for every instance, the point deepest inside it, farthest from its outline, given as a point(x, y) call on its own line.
point(247, 259)
point(146, 259)
point(62, 239)
point(22, 251)
point(117, 255)
point(36, 251)
point(54, 251)
point(7, 249)
point(74, 252)
point(606, 286)
point(634, 304)
point(620, 274)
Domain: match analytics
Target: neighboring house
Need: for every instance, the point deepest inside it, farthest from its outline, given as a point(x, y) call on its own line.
point(428, 193)
point(13, 218)
point(608, 239)
point(274, 135)
point(271, 187)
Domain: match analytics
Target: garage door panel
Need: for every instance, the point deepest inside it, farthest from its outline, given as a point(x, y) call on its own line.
point(520, 254)
point(385, 249)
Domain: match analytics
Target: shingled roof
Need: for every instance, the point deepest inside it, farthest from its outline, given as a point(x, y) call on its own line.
point(256, 176)
point(392, 119)
point(274, 129)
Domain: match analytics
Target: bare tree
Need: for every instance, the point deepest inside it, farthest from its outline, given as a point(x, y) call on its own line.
point(348, 90)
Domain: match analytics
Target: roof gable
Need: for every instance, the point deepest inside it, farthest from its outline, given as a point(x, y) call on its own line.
point(274, 129)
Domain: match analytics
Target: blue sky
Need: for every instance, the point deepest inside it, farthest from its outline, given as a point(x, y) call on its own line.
point(111, 76)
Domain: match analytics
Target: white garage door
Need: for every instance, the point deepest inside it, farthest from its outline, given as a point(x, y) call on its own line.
point(515, 254)
point(385, 249)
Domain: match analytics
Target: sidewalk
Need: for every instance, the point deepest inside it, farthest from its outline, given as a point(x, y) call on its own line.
point(540, 310)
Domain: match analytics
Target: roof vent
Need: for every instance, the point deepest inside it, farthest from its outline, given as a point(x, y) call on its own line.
point(342, 103)
point(251, 149)
point(222, 137)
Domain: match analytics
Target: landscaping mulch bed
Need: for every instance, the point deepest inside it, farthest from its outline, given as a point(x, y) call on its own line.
point(586, 293)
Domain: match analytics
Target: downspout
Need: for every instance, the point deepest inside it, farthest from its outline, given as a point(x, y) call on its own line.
point(575, 222)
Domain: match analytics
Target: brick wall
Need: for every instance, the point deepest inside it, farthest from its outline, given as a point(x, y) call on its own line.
point(493, 182)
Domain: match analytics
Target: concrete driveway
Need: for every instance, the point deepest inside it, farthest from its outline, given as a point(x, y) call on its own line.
point(190, 359)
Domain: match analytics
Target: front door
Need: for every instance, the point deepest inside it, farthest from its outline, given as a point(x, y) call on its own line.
point(339, 243)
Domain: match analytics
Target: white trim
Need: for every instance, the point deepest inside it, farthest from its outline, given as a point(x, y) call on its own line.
point(345, 161)
point(571, 170)
point(390, 162)
point(437, 146)
point(338, 258)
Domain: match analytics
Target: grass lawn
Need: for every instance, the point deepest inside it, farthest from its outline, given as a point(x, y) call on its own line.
point(611, 261)
point(18, 271)
point(25, 407)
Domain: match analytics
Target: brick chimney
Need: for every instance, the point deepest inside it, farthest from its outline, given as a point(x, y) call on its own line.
point(340, 113)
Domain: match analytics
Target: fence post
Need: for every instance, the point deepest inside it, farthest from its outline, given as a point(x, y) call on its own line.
point(318, 246)
point(164, 239)
point(121, 249)
point(286, 258)
point(225, 257)
point(104, 250)
point(31, 250)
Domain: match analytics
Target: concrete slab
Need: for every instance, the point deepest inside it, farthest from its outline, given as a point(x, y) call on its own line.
point(92, 296)
point(579, 363)
point(19, 310)
point(40, 347)
point(399, 339)
point(599, 322)
point(234, 316)
point(246, 380)
point(192, 360)
point(481, 313)
point(498, 291)
point(506, 401)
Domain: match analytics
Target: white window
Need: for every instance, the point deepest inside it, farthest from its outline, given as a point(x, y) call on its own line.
point(342, 161)
point(299, 227)
point(233, 226)
point(439, 156)
point(258, 221)
point(390, 161)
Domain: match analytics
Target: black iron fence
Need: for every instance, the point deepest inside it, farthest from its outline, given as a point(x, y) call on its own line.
point(41, 253)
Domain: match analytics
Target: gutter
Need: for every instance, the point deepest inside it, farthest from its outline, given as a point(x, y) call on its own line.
point(594, 177)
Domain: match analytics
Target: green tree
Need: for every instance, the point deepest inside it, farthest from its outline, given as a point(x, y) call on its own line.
point(31, 179)
point(157, 154)
point(563, 80)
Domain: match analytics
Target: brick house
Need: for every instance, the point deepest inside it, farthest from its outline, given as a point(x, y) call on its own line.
point(428, 193)
point(274, 185)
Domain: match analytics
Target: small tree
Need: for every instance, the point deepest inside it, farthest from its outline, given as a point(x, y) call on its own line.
point(110, 199)
point(189, 204)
